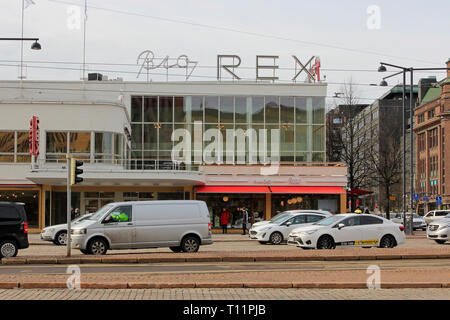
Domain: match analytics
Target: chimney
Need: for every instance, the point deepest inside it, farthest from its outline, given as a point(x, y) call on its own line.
point(425, 84)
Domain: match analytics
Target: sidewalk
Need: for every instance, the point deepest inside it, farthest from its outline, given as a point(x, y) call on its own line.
point(357, 279)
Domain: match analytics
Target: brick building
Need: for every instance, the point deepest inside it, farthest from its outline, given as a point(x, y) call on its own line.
point(432, 129)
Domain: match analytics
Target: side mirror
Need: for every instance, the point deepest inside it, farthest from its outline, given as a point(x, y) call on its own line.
point(340, 226)
point(288, 223)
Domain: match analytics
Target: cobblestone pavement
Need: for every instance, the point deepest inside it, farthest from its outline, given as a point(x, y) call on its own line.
point(225, 294)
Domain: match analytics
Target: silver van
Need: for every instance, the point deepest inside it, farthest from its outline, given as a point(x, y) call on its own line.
point(181, 225)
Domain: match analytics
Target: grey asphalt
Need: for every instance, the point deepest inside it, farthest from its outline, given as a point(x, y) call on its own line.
point(166, 268)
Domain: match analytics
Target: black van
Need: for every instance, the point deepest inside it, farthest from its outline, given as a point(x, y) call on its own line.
point(13, 228)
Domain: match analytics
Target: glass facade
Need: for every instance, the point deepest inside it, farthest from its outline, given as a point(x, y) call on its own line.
point(14, 146)
point(301, 121)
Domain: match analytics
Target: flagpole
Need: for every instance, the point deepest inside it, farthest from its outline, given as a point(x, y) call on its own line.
point(21, 46)
point(84, 40)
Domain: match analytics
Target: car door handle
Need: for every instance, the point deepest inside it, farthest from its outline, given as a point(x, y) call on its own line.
point(129, 224)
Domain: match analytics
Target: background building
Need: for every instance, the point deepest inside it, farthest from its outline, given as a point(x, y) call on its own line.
point(432, 127)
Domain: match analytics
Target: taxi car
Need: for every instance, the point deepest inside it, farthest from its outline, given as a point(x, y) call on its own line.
point(362, 230)
point(277, 230)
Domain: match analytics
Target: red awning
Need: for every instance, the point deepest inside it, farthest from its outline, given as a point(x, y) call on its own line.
point(232, 189)
point(314, 190)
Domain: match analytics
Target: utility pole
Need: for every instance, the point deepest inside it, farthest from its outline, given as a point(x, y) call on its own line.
point(69, 200)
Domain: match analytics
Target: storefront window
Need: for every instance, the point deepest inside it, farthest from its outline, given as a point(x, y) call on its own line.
point(318, 110)
point(103, 146)
point(136, 109)
point(301, 115)
point(240, 109)
point(179, 110)
point(80, 142)
point(301, 138)
point(197, 107)
point(31, 200)
point(6, 146)
point(23, 147)
point(318, 138)
point(165, 137)
point(258, 110)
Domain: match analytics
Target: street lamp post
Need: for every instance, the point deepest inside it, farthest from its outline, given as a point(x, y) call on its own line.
point(35, 46)
point(382, 68)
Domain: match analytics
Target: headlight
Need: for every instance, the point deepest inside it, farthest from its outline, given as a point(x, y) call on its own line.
point(79, 231)
point(309, 231)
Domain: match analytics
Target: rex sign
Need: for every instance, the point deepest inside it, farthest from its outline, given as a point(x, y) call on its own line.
point(34, 136)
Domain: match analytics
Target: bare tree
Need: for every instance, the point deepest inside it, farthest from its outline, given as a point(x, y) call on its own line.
point(386, 164)
point(345, 143)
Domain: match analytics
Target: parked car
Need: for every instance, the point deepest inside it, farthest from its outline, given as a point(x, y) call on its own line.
point(362, 230)
point(434, 215)
point(181, 225)
point(418, 221)
point(58, 233)
point(13, 228)
point(278, 229)
point(281, 215)
point(439, 230)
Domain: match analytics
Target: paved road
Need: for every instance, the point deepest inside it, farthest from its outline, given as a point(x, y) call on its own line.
point(232, 243)
point(226, 267)
point(225, 294)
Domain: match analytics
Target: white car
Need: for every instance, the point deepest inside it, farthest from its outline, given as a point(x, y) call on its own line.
point(439, 231)
point(351, 229)
point(434, 215)
point(277, 230)
point(58, 233)
point(418, 221)
point(284, 214)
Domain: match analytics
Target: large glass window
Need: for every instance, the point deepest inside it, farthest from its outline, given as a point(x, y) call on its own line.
point(136, 109)
point(301, 115)
point(197, 107)
point(6, 146)
point(23, 147)
point(301, 138)
point(56, 145)
point(211, 109)
point(287, 110)
point(272, 110)
point(165, 134)
point(179, 110)
point(103, 146)
point(151, 136)
point(226, 109)
point(136, 136)
point(258, 110)
point(165, 109)
point(318, 138)
point(151, 109)
point(240, 109)
point(80, 142)
point(318, 110)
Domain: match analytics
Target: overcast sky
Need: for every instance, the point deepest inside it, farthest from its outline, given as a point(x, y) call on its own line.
point(410, 33)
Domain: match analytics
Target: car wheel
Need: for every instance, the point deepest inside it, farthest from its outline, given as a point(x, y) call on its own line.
point(325, 242)
point(97, 246)
point(440, 241)
point(387, 241)
point(276, 238)
point(306, 248)
point(424, 229)
point(8, 249)
point(61, 238)
point(262, 242)
point(175, 249)
point(190, 244)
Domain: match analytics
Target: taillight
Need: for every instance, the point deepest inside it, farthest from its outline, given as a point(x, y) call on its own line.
point(25, 227)
point(209, 226)
point(402, 228)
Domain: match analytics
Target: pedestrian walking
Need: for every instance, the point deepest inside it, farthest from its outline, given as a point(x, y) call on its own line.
point(77, 213)
point(244, 220)
point(72, 214)
point(224, 218)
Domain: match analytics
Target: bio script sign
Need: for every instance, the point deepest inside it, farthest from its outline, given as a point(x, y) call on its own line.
point(265, 68)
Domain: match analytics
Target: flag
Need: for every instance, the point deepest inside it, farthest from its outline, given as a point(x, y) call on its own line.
point(28, 3)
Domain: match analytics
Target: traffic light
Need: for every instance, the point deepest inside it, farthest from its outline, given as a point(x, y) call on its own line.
point(74, 171)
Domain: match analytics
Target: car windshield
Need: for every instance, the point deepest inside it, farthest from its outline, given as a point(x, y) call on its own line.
point(96, 216)
point(416, 216)
point(280, 217)
point(328, 221)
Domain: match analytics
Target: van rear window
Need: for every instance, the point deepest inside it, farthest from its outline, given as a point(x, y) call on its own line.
point(9, 213)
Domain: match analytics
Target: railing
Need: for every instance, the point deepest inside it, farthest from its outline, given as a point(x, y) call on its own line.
point(123, 164)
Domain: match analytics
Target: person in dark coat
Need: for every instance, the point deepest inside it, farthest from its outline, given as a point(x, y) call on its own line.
point(244, 220)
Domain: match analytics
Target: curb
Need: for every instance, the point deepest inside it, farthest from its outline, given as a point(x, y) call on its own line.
point(192, 285)
point(175, 259)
